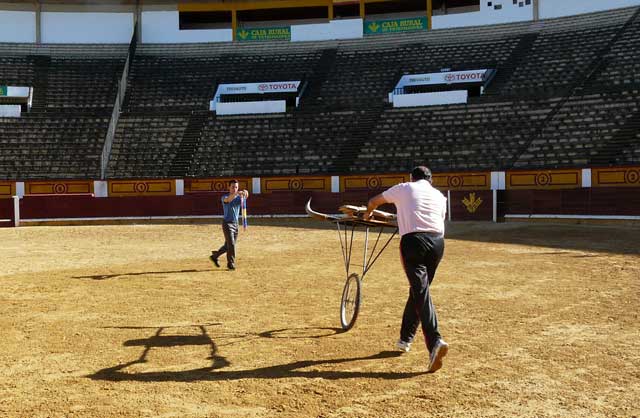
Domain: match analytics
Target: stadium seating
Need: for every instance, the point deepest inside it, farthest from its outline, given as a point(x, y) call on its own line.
point(145, 145)
point(51, 146)
point(565, 95)
point(587, 130)
point(556, 60)
point(74, 93)
point(188, 83)
point(622, 66)
point(477, 136)
point(298, 143)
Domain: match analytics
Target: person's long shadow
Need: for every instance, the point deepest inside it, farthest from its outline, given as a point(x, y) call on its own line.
point(214, 372)
point(141, 273)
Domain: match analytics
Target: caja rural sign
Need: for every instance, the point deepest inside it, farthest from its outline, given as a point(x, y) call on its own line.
point(374, 27)
point(282, 33)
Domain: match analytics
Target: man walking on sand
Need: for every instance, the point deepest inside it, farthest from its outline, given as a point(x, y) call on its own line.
point(421, 212)
point(231, 203)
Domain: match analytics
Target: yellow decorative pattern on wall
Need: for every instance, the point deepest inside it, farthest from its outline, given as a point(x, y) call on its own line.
point(462, 181)
point(615, 177)
point(35, 188)
point(295, 184)
point(7, 189)
point(544, 179)
point(215, 185)
point(142, 187)
point(472, 203)
point(371, 182)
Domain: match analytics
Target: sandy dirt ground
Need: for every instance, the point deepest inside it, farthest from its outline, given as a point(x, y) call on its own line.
point(130, 321)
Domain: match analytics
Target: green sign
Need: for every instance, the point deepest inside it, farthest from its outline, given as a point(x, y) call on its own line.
point(3, 90)
point(374, 27)
point(282, 33)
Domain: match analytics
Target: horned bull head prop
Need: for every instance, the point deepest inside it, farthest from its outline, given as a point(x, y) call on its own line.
point(318, 215)
point(352, 213)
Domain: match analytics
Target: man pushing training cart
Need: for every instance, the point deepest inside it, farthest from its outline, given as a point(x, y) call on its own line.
point(421, 210)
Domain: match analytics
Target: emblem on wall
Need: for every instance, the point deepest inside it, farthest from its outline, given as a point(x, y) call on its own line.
point(472, 203)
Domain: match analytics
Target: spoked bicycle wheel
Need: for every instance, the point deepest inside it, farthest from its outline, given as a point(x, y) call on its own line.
point(350, 304)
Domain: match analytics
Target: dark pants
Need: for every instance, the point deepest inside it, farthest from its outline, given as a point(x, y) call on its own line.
point(230, 231)
point(421, 253)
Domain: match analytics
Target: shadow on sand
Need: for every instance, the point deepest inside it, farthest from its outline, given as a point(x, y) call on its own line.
point(216, 372)
point(140, 273)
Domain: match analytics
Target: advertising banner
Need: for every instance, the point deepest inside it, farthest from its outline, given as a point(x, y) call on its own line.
point(375, 27)
point(451, 77)
point(446, 77)
point(282, 33)
point(13, 91)
point(10, 111)
point(254, 88)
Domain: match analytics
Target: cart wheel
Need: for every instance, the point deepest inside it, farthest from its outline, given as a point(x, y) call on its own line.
point(350, 304)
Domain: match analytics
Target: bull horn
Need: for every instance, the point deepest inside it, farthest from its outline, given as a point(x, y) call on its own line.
point(316, 215)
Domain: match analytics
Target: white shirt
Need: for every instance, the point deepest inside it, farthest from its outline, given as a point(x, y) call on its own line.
point(420, 207)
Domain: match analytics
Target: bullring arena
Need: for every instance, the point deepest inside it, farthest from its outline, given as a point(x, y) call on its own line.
point(133, 320)
point(123, 123)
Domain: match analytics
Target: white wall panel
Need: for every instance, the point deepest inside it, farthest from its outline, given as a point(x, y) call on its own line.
point(86, 28)
point(17, 26)
point(335, 29)
point(249, 108)
point(430, 99)
point(487, 15)
point(554, 8)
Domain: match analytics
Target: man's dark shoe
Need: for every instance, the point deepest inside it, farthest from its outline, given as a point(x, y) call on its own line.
point(231, 267)
point(214, 260)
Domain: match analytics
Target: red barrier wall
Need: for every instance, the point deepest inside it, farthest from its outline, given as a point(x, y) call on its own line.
point(204, 204)
point(472, 206)
point(592, 201)
point(6, 212)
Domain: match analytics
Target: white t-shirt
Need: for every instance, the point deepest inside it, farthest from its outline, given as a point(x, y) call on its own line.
point(420, 207)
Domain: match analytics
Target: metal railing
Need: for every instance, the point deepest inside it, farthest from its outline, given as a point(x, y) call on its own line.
point(117, 107)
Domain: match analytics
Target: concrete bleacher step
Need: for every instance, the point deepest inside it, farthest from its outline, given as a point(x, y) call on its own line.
point(181, 164)
point(41, 65)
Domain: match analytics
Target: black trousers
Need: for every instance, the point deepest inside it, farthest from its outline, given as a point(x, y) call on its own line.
point(421, 253)
point(230, 231)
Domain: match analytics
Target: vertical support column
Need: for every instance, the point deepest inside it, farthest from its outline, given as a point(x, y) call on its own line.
point(586, 177)
point(179, 187)
point(330, 9)
point(335, 184)
point(255, 185)
point(536, 10)
point(495, 205)
point(16, 210)
point(138, 22)
point(498, 180)
point(20, 188)
point(429, 13)
point(362, 9)
point(100, 188)
point(38, 23)
point(234, 23)
point(449, 204)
